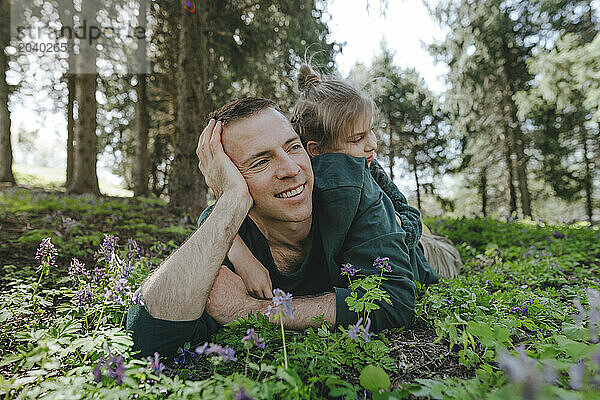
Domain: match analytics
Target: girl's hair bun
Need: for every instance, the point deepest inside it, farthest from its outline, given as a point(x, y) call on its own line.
point(307, 78)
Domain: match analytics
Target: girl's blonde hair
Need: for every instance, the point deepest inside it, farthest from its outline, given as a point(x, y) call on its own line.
point(328, 110)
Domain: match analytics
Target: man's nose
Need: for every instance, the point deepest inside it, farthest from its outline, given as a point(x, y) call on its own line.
point(371, 144)
point(287, 167)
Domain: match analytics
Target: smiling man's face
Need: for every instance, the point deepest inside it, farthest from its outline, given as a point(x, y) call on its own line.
point(277, 169)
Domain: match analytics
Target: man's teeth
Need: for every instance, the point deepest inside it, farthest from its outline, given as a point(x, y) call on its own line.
point(290, 193)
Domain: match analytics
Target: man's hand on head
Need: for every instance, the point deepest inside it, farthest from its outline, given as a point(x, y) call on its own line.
point(219, 171)
point(228, 299)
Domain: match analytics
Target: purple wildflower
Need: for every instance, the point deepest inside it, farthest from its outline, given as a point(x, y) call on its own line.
point(115, 368)
point(180, 359)
point(117, 290)
point(202, 348)
point(366, 334)
point(520, 310)
point(136, 297)
point(76, 269)
point(253, 338)
point(97, 372)
point(596, 358)
point(282, 304)
point(449, 302)
point(85, 295)
point(576, 375)
point(155, 364)
point(558, 235)
point(530, 252)
point(357, 330)
point(354, 331)
point(241, 395)
point(348, 269)
point(383, 264)
point(68, 224)
point(523, 370)
point(107, 248)
point(46, 253)
point(226, 353)
point(134, 251)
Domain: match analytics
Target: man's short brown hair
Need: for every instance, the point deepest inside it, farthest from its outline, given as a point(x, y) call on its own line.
point(242, 108)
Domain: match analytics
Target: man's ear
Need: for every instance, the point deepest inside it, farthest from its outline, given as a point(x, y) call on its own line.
point(313, 148)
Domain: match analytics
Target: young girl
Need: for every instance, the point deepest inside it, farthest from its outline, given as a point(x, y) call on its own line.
point(331, 116)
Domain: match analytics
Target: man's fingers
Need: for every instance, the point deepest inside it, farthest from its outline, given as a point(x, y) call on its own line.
point(215, 138)
point(204, 136)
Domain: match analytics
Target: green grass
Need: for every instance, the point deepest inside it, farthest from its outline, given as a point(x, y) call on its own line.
point(508, 318)
point(43, 177)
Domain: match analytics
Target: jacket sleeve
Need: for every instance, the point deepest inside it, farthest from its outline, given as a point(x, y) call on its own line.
point(410, 216)
point(152, 334)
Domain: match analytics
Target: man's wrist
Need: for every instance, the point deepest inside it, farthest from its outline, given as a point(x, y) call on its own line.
point(239, 196)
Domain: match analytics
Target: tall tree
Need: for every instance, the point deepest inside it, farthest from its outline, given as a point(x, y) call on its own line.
point(412, 121)
point(567, 133)
point(486, 51)
point(85, 178)
point(6, 173)
point(187, 187)
point(70, 128)
point(140, 187)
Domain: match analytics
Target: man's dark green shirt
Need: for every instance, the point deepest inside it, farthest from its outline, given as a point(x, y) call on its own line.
point(353, 222)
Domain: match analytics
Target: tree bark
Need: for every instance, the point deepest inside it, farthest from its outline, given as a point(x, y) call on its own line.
point(6, 156)
point(187, 188)
point(514, 131)
point(483, 192)
point(70, 129)
point(391, 151)
point(85, 178)
point(587, 182)
point(512, 198)
point(521, 162)
point(140, 187)
point(414, 165)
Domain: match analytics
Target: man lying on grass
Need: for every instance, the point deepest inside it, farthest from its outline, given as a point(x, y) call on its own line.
point(254, 162)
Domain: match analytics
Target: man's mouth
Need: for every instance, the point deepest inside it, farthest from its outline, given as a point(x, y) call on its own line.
point(292, 192)
point(370, 158)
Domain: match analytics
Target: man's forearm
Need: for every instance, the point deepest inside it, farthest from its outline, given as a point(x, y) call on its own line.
point(306, 308)
point(179, 288)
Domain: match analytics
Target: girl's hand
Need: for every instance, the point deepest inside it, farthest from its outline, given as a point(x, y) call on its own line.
point(256, 278)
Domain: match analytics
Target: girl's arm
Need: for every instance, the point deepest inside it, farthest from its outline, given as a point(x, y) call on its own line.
point(409, 216)
point(253, 273)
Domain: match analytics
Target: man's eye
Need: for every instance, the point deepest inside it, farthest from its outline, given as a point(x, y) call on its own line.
point(296, 146)
point(260, 163)
point(357, 139)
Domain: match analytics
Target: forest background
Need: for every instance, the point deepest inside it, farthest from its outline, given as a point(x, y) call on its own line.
point(514, 132)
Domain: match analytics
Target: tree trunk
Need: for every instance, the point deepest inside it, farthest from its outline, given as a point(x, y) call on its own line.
point(414, 165)
point(512, 198)
point(85, 179)
point(187, 188)
point(483, 192)
point(514, 130)
point(140, 187)
point(587, 182)
point(391, 151)
point(521, 162)
point(70, 129)
point(6, 159)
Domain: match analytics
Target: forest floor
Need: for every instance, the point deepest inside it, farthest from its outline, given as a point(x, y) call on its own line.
point(517, 287)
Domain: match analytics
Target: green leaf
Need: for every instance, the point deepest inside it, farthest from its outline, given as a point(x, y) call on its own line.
point(573, 332)
point(374, 378)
